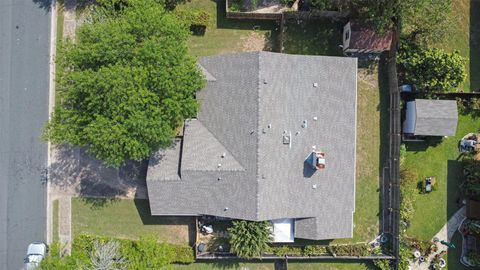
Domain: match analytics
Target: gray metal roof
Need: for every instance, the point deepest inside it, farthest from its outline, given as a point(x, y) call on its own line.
point(436, 117)
point(233, 161)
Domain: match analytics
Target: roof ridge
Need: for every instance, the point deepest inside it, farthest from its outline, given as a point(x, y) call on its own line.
point(257, 167)
point(226, 149)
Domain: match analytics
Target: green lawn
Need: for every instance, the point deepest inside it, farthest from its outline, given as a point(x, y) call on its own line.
point(226, 36)
point(464, 36)
point(319, 265)
point(128, 219)
point(441, 161)
point(315, 37)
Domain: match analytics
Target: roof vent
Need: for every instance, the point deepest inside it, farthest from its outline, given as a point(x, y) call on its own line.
point(219, 178)
point(252, 131)
point(315, 118)
point(224, 155)
point(219, 165)
point(286, 139)
point(314, 186)
point(304, 124)
point(269, 126)
point(315, 84)
point(298, 132)
point(225, 209)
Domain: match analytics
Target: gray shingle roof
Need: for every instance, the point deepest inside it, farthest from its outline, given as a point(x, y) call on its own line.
point(255, 99)
point(436, 117)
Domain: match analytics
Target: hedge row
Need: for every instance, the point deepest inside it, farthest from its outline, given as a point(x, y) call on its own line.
point(145, 253)
point(358, 250)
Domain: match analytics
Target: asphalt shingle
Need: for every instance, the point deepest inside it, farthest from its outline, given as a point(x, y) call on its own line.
point(255, 99)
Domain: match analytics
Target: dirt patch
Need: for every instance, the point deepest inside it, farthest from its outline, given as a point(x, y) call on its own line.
point(254, 42)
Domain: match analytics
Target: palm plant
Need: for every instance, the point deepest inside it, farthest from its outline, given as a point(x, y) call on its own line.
point(249, 239)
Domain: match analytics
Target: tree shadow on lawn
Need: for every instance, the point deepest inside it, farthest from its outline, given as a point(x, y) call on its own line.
point(143, 208)
point(475, 45)
point(454, 202)
point(422, 146)
point(454, 180)
point(77, 173)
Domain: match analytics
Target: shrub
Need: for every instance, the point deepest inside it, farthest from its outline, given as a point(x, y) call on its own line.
point(407, 191)
point(283, 251)
point(352, 250)
point(421, 245)
point(404, 257)
point(473, 258)
point(430, 69)
point(314, 250)
point(249, 239)
point(145, 253)
point(383, 264)
point(473, 226)
point(193, 17)
point(183, 254)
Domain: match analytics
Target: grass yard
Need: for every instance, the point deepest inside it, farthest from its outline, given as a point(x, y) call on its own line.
point(464, 36)
point(442, 161)
point(226, 36)
point(128, 219)
point(315, 37)
point(294, 265)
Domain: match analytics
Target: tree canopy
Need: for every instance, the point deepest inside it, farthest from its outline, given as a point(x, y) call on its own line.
point(126, 83)
point(430, 69)
point(426, 19)
point(249, 239)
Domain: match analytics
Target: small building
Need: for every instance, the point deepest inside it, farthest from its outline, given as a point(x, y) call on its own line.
point(361, 39)
point(245, 155)
point(426, 117)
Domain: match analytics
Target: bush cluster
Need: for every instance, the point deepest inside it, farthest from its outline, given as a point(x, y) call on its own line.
point(358, 250)
point(145, 253)
point(408, 179)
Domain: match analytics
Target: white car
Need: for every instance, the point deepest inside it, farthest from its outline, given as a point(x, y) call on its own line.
point(35, 253)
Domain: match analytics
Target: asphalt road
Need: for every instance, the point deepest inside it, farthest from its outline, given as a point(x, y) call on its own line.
point(24, 73)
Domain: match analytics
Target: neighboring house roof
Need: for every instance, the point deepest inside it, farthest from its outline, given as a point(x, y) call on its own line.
point(233, 162)
point(363, 37)
point(426, 117)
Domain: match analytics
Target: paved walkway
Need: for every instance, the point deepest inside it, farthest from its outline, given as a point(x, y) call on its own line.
point(446, 233)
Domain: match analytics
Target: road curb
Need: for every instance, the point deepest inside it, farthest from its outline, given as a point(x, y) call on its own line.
point(51, 103)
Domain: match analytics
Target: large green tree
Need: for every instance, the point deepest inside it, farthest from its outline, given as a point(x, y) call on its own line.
point(249, 239)
point(425, 19)
point(430, 69)
point(126, 83)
